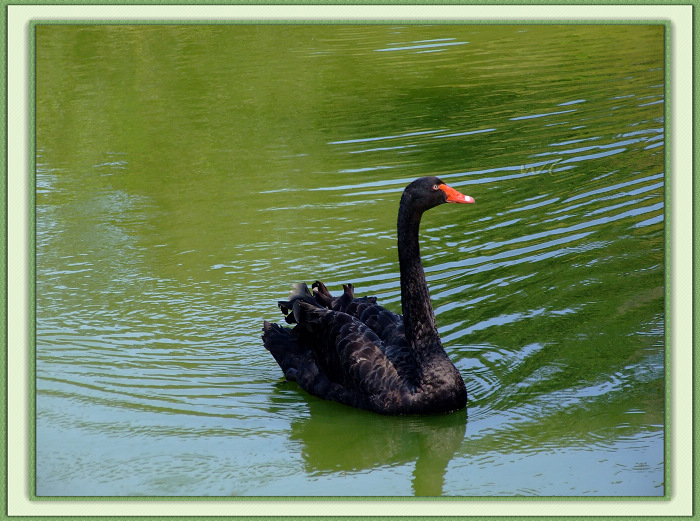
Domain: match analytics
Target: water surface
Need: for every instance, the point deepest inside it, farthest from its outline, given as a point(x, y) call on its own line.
point(187, 175)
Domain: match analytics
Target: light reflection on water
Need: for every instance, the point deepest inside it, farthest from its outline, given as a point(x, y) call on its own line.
point(167, 230)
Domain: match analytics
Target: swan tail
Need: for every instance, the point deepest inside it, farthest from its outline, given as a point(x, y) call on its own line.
point(285, 349)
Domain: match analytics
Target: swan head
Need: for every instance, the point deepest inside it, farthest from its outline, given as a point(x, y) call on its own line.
point(427, 192)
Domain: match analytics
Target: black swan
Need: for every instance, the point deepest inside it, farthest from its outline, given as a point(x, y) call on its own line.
point(355, 352)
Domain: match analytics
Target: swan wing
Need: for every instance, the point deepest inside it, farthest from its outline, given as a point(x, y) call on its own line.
point(389, 327)
point(350, 354)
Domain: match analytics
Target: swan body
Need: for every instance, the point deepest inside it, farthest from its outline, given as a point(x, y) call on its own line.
point(354, 351)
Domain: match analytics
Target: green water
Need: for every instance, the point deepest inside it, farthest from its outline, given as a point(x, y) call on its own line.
point(187, 175)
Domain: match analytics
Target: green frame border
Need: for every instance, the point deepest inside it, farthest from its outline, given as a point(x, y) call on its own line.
point(667, 216)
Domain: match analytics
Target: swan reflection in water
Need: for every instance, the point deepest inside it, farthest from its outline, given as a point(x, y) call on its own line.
point(364, 441)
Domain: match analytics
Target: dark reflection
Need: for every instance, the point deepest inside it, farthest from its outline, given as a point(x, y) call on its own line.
point(336, 438)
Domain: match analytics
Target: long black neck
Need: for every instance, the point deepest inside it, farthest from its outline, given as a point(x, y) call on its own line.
point(418, 316)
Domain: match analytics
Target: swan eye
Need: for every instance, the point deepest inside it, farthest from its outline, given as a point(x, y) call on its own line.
point(435, 187)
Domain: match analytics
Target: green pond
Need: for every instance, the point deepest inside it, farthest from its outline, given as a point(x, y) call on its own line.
point(187, 175)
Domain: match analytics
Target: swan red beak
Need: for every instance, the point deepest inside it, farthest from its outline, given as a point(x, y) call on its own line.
point(453, 196)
